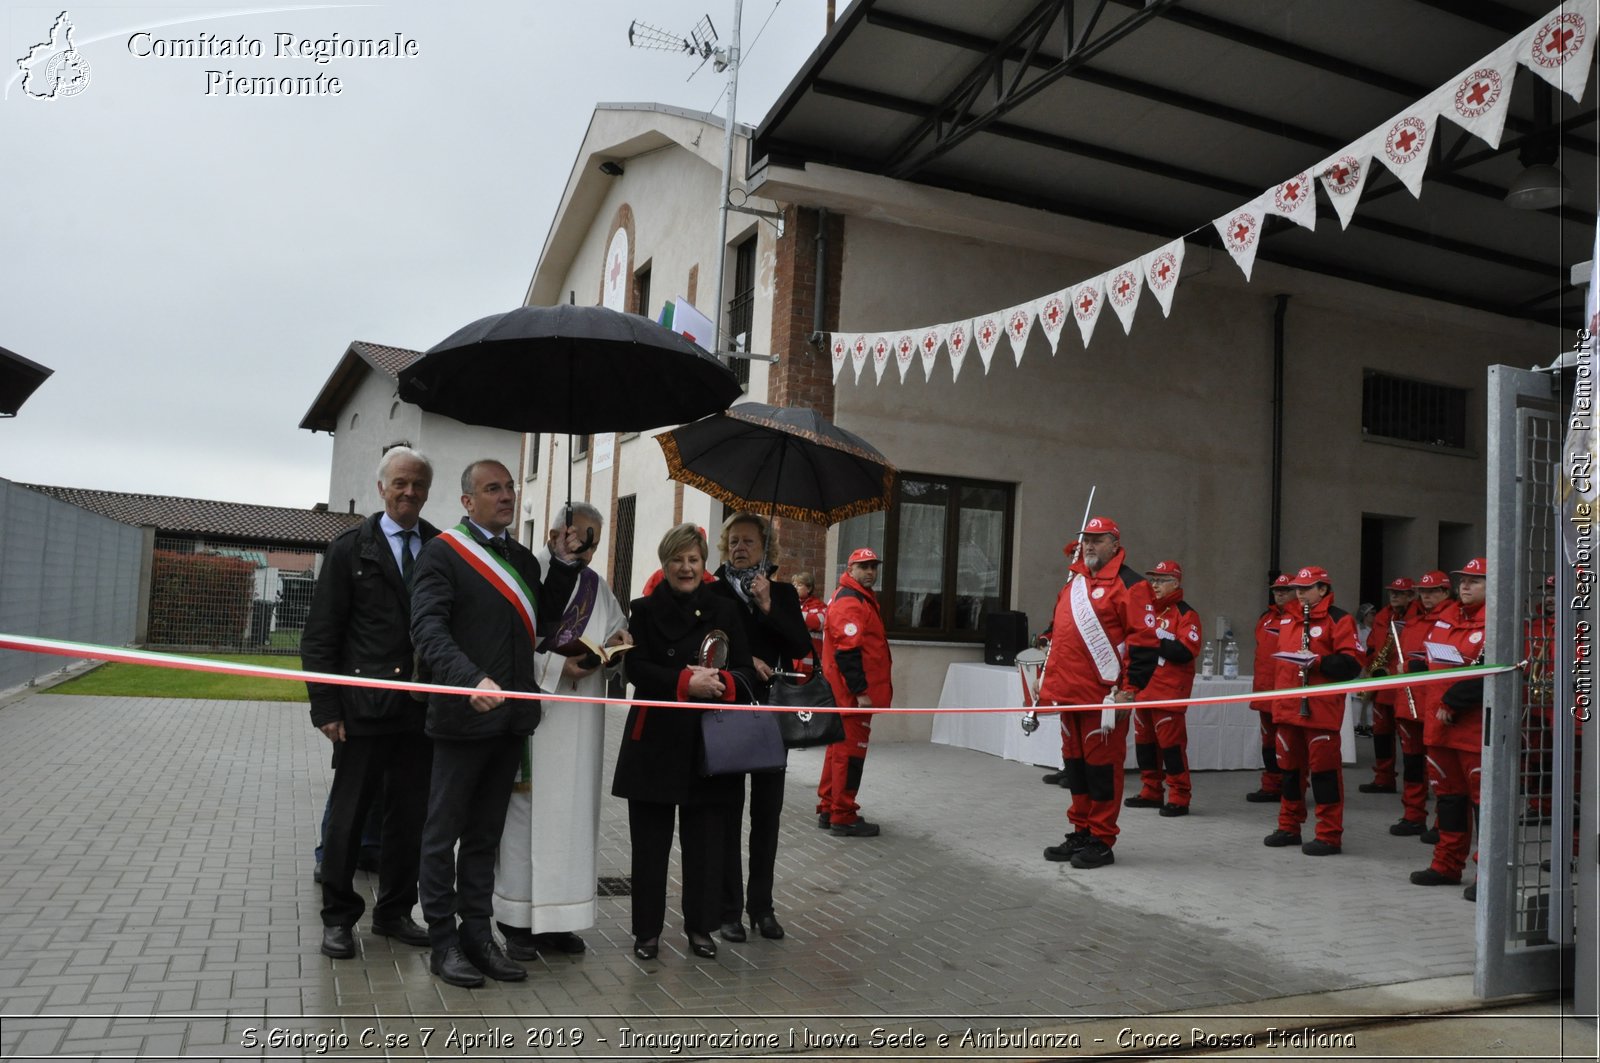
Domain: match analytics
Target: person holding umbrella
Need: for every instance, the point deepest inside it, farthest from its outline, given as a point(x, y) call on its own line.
point(776, 631)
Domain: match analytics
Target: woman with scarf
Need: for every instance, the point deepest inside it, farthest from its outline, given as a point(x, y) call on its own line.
point(776, 631)
point(658, 765)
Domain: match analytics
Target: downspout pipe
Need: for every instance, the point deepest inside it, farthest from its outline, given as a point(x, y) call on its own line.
point(819, 290)
point(1275, 549)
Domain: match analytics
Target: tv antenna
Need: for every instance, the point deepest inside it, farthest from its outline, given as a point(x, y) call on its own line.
point(701, 41)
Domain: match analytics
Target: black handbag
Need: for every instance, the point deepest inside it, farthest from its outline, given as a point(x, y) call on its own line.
point(810, 720)
point(736, 741)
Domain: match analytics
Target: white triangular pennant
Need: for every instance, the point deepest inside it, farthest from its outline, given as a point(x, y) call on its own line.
point(882, 348)
point(1480, 98)
point(1087, 299)
point(928, 345)
point(1295, 199)
point(958, 341)
point(1160, 269)
point(838, 350)
point(1344, 176)
point(986, 331)
point(1123, 286)
point(1052, 314)
point(1019, 324)
point(905, 350)
point(1407, 141)
point(1558, 49)
point(859, 344)
point(1241, 233)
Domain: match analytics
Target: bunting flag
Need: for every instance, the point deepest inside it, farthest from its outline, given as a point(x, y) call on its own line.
point(1019, 325)
point(905, 349)
point(1295, 199)
point(1343, 177)
point(1161, 268)
point(1241, 234)
point(839, 350)
point(928, 346)
point(1407, 143)
point(986, 332)
point(1087, 299)
point(958, 340)
point(1052, 314)
point(1123, 286)
point(882, 346)
point(1559, 49)
point(1481, 96)
point(858, 353)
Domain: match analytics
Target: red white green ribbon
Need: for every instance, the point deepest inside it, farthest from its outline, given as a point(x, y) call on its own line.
point(499, 571)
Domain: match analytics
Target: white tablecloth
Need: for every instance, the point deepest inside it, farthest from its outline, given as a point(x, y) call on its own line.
point(1222, 736)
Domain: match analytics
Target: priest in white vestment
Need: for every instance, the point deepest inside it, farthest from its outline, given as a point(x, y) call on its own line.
point(545, 872)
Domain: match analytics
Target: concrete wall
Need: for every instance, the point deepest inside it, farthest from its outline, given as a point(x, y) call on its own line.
point(65, 573)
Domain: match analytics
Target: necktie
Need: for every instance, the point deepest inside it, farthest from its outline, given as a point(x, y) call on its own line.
point(498, 545)
point(407, 562)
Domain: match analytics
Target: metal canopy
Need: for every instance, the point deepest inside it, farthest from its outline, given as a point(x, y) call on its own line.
point(1159, 116)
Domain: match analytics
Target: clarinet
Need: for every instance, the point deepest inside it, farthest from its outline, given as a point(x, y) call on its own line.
point(1305, 647)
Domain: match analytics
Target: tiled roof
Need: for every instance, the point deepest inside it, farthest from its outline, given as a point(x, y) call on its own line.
point(358, 359)
point(203, 516)
point(390, 359)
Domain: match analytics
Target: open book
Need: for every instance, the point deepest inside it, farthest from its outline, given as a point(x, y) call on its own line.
point(1297, 657)
point(590, 652)
point(1443, 653)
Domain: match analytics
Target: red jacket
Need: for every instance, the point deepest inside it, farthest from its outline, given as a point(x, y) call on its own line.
point(1172, 630)
point(1268, 634)
point(1071, 674)
point(1461, 701)
point(814, 611)
point(855, 650)
point(1394, 662)
point(1331, 635)
point(1432, 626)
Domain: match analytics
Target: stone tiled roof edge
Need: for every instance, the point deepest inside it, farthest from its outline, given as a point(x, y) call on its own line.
point(202, 516)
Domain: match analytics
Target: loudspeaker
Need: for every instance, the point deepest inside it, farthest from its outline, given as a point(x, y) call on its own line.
point(1003, 635)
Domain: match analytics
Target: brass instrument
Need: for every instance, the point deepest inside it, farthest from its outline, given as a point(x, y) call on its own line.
point(1380, 660)
point(1305, 647)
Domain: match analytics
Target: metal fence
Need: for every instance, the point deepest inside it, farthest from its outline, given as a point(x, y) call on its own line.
point(208, 597)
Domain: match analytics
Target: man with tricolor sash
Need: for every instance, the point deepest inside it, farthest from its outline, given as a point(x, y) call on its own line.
point(478, 606)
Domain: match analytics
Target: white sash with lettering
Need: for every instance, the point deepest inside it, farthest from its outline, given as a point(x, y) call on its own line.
point(1094, 635)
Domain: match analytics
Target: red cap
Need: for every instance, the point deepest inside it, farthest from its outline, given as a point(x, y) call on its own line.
point(1433, 581)
point(1310, 576)
point(1102, 526)
point(864, 556)
point(1550, 581)
point(1402, 583)
point(1167, 568)
point(1478, 566)
point(1279, 584)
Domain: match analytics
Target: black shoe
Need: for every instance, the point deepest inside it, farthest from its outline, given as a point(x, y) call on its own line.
point(1281, 839)
point(1055, 778)
point(1169, 810)
point(486, 956)
point(453, 967)
point(339, 942)
point(1429, 836)
point(404, 930)
point(1096, 854)
point(1363, 731)
point(1429, 877)
point(1263, 797)
point(824, 821)
point(732, 931)
point(1069, 847)
point(1140, 801)
point(521, 948)
point(1471, 893)
point(768, 926)
point(859, 829)
point(316, 873)
point(1407, 827)
point(1318, 847)
point(562, 941)
point(702, 946)
point(647, 950)
point(1378, 788)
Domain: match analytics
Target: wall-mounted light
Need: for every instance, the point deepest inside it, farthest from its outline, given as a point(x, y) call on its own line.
point(611, 168)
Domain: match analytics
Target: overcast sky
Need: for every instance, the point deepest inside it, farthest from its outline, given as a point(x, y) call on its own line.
point(193, 265)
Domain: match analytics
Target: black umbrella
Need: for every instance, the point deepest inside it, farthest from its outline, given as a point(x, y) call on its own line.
point(568, 369)
point(786, 461)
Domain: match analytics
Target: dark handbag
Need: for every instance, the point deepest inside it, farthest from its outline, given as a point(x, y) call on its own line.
point(812, 721)
point(736, 741)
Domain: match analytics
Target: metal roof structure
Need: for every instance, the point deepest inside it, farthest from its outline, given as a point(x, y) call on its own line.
point(1157, 116)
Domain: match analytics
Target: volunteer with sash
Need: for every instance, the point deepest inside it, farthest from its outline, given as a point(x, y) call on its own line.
point(1088, 664)
point(476, 603)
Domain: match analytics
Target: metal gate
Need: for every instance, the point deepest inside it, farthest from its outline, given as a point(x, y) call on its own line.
point(1526, 874)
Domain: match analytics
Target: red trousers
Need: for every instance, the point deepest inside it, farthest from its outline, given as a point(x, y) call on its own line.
point(1455, 774)
point(1271, 777)
point(1161, 747)
point(841, 769)
point(1308, 754)
point(1092, 760)
point(1414, 769)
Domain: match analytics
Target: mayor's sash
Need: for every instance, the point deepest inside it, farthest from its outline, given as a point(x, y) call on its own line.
point(497, 571)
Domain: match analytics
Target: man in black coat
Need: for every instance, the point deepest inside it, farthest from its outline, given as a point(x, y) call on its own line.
point(477, 608)
point(360, 624)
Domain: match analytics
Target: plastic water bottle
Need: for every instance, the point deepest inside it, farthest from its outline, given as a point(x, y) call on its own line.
point(1230, 657)
point(1208, 660)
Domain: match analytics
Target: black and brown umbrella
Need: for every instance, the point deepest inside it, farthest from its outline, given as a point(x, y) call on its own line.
point(781, 460)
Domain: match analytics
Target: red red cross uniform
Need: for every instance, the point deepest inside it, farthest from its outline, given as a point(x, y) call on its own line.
point(1160, 736)
point(856, 661)
point(1381, 647)
point(1268, 631)
point(1453, 731)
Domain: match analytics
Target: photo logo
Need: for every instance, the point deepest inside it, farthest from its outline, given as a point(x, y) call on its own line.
point(54, 69)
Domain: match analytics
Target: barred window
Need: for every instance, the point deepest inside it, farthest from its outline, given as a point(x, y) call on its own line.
point(741, 308)
point(1413, 411)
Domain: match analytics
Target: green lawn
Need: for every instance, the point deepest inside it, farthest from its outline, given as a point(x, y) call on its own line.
point(145, 681)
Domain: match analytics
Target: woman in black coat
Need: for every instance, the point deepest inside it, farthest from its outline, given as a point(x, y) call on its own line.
point(658, 765)
point(770, 613)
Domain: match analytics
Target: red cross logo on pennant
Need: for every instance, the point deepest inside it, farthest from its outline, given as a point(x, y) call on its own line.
point(958, 340)
point(1478, 92)
point(905, 347)
point(929, 342)
point(1162, 268)
point(1344, 175)
point(987, 335)
point(1018, 324)
point(1559, 40)
point(1407, 139)
point(1291, 195)
point(1124, 286)
point(839, 349)
point(1052, 311)
point(880, 350)
point(861, 346)
point(1241, 231)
